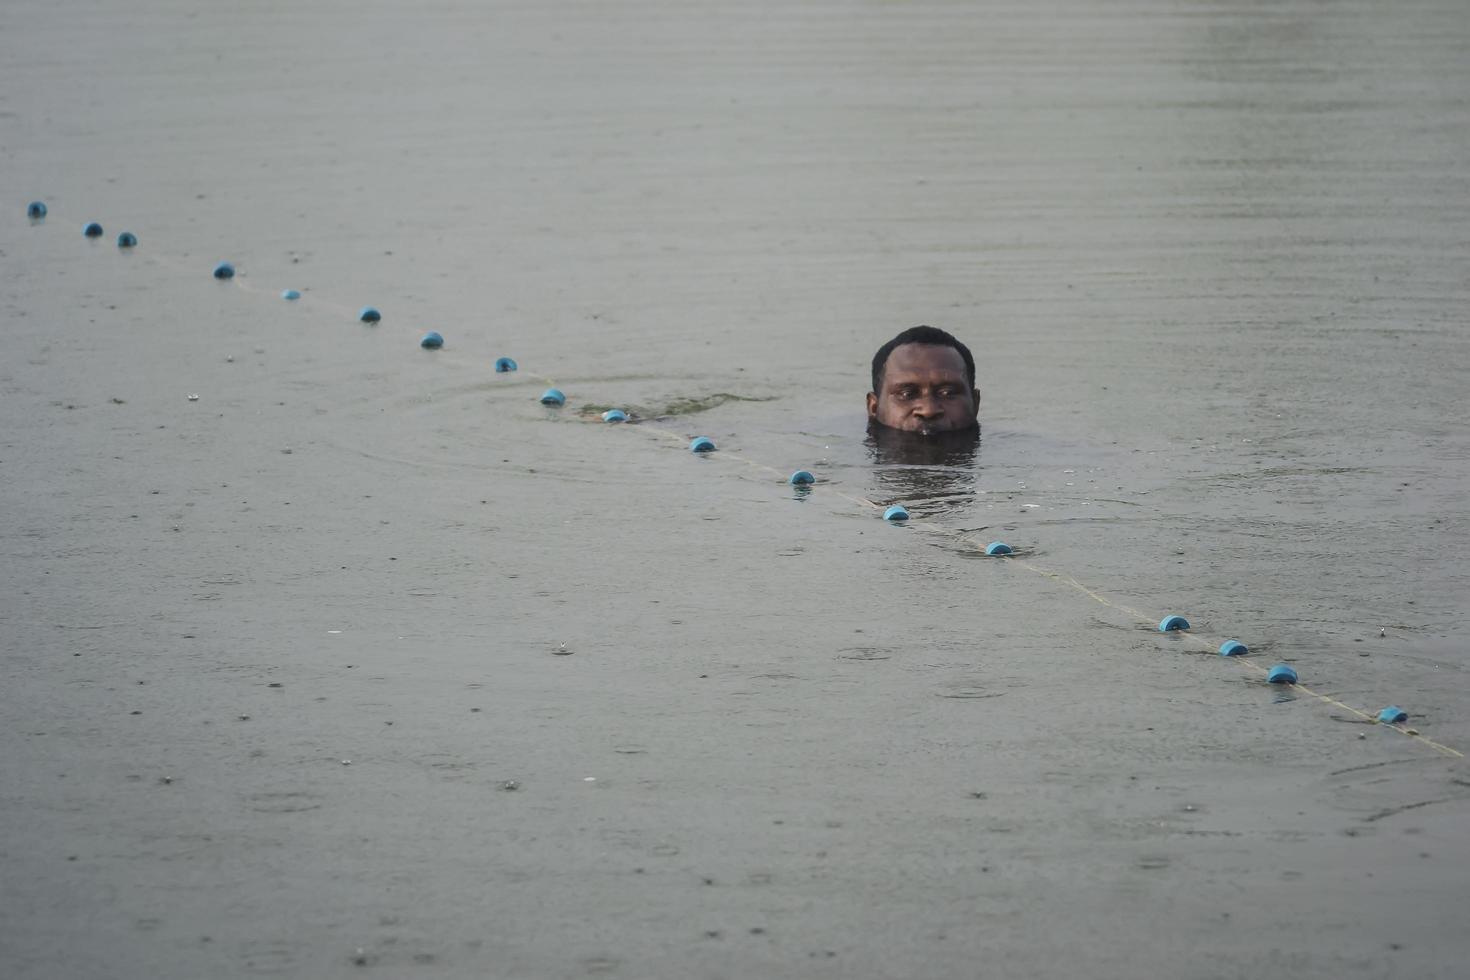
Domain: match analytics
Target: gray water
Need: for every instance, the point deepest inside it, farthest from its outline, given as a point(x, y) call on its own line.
point(1211, 258)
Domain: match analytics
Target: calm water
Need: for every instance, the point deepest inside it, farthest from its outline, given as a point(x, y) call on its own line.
point(1211, 259)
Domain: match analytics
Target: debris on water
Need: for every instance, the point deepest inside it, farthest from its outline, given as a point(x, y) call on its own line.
point(193, 398)
point(346, 762)
point(510, 785)
point(562, 651)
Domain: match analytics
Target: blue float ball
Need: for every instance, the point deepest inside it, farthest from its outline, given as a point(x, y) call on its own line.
point(224, 271)
point(1171, 623)
point(290, 294)
point(1233, 648)
point(1281, 674)
point(553, 396)
point(127, 240)
point(433, 340)
point(802, 478)
point(997, 548)
point(92, 230)
point(896, 513)
point(702, 444)
point(615, 415)
point(504, 365)
point(369, 314)
point(1392, 715)
point(36, 210)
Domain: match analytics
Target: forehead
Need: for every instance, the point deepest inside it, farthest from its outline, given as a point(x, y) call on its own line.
point(924, 361)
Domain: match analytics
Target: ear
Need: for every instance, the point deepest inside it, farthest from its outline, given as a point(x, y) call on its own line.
point(975, 397)
point(873, 406)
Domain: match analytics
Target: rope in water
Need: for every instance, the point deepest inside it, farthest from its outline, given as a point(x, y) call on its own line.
point(1072, 583)
point(934, 527)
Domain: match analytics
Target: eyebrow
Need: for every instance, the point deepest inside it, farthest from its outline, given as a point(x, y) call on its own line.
point(941, 383)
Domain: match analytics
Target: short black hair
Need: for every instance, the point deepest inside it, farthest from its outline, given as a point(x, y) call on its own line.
point(932, 336)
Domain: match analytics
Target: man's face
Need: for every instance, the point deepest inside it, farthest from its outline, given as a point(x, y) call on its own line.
point(924, 390)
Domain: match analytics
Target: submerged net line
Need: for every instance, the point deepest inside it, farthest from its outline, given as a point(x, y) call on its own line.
point(1061, 578)
point(956, 534)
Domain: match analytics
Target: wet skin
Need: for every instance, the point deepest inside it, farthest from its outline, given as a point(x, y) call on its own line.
point(924, 390)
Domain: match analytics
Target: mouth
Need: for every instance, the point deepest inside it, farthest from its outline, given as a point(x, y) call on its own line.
point(936, 428)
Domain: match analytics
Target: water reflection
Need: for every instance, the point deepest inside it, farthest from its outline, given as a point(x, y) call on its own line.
point(933, 474)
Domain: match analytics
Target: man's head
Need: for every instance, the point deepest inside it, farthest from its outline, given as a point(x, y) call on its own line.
point(924, 381)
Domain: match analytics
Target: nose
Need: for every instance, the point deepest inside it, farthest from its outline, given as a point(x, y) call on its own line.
point(928, 408)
